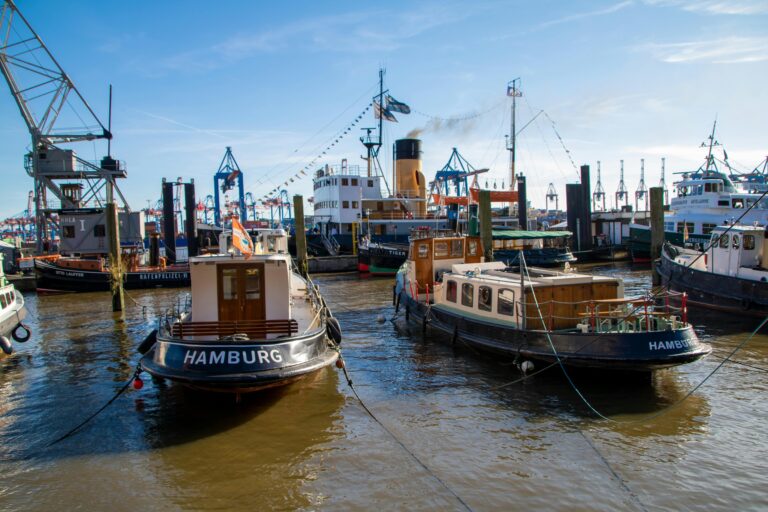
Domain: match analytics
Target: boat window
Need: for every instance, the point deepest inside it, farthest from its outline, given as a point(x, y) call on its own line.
point(450, 293)
point(99, 230)
point(354, 182)
point(457, 248)
point(708, 187)
point(484, 298)
point(736, 242)
point(724, 241)
point(749, 242)
point(68, 231)
point(229, 284)
point(681, 227)
point(506, 302)
point(3, 302)
point(467, 295)
point(344, 182)
point(11, 298)
point(252, 284)
point(441, 249)
point(423, 251)
point(737, 203)
point(707, 228)
point(498, 244)
point(472, 248)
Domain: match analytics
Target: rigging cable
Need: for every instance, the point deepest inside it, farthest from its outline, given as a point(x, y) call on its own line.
point(395, 438)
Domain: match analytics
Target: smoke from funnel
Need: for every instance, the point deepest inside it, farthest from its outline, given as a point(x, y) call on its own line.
point(435, 125)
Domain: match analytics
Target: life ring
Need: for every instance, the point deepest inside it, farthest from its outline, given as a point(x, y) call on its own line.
point(333, 329)
point(17, 337)
point(148, 342)
point(6, 345)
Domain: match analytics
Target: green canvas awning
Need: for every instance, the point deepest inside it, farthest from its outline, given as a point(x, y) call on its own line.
point(515, 234)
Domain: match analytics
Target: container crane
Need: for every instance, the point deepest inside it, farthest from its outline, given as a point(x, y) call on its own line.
point(551, 196)
point(621, 193)
point(50, 103)
point(642, 190)
point(229, 174)
point(598, 196)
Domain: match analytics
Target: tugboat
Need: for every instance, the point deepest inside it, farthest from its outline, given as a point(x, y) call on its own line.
point(731, 275)
point(12, 313)
point(253, 321)
point(538, 314)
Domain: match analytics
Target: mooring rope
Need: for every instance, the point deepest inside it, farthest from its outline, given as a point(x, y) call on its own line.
point(397, 440)
point(92, 416)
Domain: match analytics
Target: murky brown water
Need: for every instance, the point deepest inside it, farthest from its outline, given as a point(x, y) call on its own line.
point(312, 446)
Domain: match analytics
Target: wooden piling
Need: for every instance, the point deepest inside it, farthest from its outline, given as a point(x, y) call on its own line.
point(115, 263)
point(300, 233)
point(657, 229)
point(486, 230)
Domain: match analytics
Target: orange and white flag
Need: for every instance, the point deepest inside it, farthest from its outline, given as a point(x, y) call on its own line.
point(241, 239)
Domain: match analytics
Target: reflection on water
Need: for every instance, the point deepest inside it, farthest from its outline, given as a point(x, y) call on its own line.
point(311, 446)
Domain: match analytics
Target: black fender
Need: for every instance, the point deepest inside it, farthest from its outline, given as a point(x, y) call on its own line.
point(333, 329)
point(6, 345)
point(148, 342)
point(18, 337)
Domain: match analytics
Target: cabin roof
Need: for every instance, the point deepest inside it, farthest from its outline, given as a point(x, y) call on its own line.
point(518, 234)
point(237, 258)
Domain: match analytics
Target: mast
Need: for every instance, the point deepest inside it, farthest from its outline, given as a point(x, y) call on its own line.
point(514, 91)
point(712, 143)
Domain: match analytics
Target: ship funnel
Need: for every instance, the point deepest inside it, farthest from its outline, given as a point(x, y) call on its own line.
point(409, 180)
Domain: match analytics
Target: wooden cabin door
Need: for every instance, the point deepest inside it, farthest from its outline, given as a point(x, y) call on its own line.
point(241, 292)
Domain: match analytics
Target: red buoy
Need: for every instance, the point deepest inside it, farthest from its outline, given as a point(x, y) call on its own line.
point(138, 383)
point(339, 363)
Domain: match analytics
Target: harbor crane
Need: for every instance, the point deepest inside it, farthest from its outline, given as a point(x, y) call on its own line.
point(598, 195)
point(642, 190)
point(551, 196)
point(229, 174)
point(51, 106)
point(621, 193)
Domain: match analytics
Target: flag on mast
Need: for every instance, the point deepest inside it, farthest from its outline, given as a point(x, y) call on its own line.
point(397, 106)
point(241, 239)
point(383, 113)
point(513, 91)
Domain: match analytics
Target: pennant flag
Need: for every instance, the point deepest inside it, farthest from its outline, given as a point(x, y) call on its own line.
point(383, 113)
point(241, 239)
point(397, 106)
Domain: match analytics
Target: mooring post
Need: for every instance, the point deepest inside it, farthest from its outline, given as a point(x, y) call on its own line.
point(657, 229)
point(300, 234)
point(115, 263)
point(486, 230)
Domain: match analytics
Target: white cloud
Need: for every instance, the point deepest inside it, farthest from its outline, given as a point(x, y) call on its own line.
point(734, 7)
point(728, 50)
point(583, 15)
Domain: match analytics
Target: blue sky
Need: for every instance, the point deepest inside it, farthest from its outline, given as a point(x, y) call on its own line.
point(275, 81)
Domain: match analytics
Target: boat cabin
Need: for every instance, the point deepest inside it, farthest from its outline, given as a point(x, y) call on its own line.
point(739, 252)
point(230, 288)
point(432, 254)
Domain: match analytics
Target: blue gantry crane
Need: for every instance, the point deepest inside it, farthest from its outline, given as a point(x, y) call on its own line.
point(229, 174)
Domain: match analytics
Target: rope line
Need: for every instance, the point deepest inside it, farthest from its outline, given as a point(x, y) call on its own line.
point(89, 418)
point(395, 438)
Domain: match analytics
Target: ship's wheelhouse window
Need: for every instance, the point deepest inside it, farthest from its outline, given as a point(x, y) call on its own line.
point(450, 292)
point(355, 204)
point(345, 204)
point(344, 182)
point(457, 248)
point(3, 302)
point(11, 298)
point(708, 187)
point(724, 241)
point(737, 202)
point(370, 183)
point(467, 295)
point(707, 228)
point(735, 242)
point(749, 242)
point(484, 298)
point(441, 249)
point(423, 251)
point(354, 182)
point(506, 302)
point(669, 226)
point(68, 231)
point(472, 247)
point(699, 190)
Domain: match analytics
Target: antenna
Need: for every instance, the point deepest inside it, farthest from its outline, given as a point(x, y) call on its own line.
point(513, 89)
point(663, 183)
point(621, 192)
point(109, 123)
point(711, 143)
point(599, 194)
point(642, 190)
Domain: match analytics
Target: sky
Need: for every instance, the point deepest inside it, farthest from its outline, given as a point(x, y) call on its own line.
point(628, 79)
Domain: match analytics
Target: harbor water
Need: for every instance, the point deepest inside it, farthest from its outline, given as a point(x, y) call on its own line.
point(452, 430)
